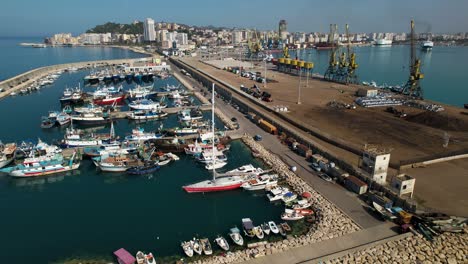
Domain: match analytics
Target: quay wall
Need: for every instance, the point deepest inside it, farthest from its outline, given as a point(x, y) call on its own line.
point(22, 80)
point(291, 129)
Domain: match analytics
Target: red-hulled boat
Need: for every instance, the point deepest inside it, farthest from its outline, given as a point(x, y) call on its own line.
point(215, 185)
point(110, 100)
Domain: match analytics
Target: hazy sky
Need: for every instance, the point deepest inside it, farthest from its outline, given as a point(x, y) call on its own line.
point(44, 17)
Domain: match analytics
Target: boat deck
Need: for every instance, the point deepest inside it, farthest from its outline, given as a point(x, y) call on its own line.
point(169, 110)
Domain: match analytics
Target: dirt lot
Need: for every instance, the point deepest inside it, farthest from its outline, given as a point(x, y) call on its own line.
point(420, 135)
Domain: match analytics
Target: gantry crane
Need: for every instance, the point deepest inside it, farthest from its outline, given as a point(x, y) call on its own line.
point(413, 86)
point(351, 76)
point(331, 71)
point(254, 46)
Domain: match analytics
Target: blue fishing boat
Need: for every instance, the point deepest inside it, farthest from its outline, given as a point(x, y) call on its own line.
point(148, 167)
point(137, 77)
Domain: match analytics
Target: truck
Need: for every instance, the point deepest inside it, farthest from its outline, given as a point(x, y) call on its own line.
point(268, 127)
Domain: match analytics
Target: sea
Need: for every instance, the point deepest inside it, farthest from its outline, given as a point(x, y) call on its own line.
point(443, 68)
point(89, 214)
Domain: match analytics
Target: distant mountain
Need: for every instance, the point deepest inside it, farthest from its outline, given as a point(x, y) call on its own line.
point(110, 27)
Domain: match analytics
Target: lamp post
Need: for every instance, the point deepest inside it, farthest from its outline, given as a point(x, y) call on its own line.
point(299, 88)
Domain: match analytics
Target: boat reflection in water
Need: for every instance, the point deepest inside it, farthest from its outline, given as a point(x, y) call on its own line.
point(39, 182)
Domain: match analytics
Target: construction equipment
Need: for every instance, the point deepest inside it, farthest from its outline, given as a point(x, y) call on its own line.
point(413, 86)
point(351, 76)
point(330, 73)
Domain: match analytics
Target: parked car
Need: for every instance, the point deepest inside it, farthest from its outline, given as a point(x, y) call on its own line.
point(315, 166)
point(325, 177)
point(258, 138)
point(234, 119)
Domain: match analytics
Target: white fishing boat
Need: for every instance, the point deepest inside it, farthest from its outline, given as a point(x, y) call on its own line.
point(266, 228)
point(139, 134)
point(248, 227)
point(259, 232)
point(186, 131)
point(208, 156)
point(301, 204)
point(291, 215)
point(196, 148)
point(222, 243)
point(7, 153)
point(215, 165)
point(236, 236)
point(190, 114)
point(197, 248)
point(146, 115)
point(91, 108)
point(274, 229)
point(175, 94)
point(206, 246)
point(140, 258)
point(289, 197)
point(187, 246)
point(248, 169)
point(276, 194)
point(146, 104)
point(150, 258)
point(45, 168)
point(260, 182)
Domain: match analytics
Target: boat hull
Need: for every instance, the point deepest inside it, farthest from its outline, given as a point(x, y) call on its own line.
point(25, 174)
point(190, 189)
point(110, 101)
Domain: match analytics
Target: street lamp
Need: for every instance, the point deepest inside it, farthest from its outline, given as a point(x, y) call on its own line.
point(299, 89)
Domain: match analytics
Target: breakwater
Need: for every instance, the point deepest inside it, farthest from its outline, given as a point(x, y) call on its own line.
point(22, 80)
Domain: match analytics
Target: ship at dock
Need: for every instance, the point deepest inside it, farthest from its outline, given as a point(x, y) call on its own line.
point(383, 42)
point(427, 45)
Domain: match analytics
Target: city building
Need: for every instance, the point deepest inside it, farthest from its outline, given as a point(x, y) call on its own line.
point(149, 32)
point(375, 162)
point(283, 29)
point(403, 185)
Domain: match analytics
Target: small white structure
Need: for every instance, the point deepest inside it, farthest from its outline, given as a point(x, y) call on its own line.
point(364, 92)
point(375, 162)
point(403, 185)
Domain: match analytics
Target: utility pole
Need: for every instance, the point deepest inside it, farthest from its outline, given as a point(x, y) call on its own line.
point(299, 89)
point(265, 83)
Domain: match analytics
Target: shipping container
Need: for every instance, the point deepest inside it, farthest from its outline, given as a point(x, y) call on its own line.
point(268, 127)
point(355, 185)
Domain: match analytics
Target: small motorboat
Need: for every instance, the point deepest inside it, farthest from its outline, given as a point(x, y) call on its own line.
point(236, 236)
point(197, 248)
point(301, 204)
point(274, 229)
point(289, 197)
point(206, 246)
point(47, 122)
point(259, 232)
point(248, 226)
point(150, 259)
point(304, 211)
point(222, 243)
point(285, 227)
point(187, 246)
point(215, 165)
point(291, 215)
point(140, 258)
point(266, 228)
point(282, 231)
point(276, 194)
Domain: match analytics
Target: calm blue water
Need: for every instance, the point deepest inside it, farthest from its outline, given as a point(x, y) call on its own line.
point(444, 69)
point(87, 212)
point(16, 59)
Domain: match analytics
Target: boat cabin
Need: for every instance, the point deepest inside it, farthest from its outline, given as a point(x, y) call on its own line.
point(124, 257)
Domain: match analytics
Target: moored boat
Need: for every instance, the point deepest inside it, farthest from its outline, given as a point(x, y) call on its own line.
point(260, 183)
point(140, 258)
point(206, 246)
point(187, 246)
point(197, 248)
point(146, 115)
point(7, 153)
point(45, 168)
point(146, 104)
point(146, 168)
point(248, 227)
point(259, 232)
point(274, 229)
point(236, 236)
point(266, 228)
point(222, 243)
point(291, 215)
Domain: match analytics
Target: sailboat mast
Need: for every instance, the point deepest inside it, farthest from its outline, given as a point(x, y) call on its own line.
point(213, 128)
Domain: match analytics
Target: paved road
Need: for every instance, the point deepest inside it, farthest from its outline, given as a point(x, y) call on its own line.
point(345, 200)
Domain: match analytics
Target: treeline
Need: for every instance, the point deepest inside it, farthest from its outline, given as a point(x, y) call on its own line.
point(110, 27)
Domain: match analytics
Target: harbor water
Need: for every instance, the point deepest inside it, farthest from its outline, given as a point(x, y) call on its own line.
point(91, 213)
point(443, 68)
point(17, 59)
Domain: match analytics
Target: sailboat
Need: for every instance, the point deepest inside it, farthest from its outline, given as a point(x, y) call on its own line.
point(216, 184)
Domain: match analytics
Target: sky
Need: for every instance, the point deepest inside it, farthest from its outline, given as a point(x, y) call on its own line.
point(46, 17)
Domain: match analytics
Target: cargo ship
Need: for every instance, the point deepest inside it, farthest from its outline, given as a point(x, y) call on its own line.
point(323, 46)
point(383, 42)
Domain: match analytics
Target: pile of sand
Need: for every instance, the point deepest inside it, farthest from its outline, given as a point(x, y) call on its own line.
point(439, 120)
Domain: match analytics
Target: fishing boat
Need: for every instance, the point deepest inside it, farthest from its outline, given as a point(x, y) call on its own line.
point(139, 134)
point(289, 197)
point(189, 115)
point(91, 118)
point(175, 94)
point(266, 228)
point(141, 92)
point(184, 131)
point(208, 156)
point(146, 104)
point(170, 88)
point(216, 183)
point(222, 243)
point(90, 108)
point(206, 246)
point(7, 153)
point(196, 148)
point(248, 169)
point(236, 236)
point(146, 168)
point(196, 245)
point(248, 227)
point(44, 168)
point(276, 194)
point(274, 229)
point(47, 122)
point(146, 115)
point(187, 246)
point(150, 258)
point(140, 258)
point(304, 212)
point(72, 96)
point(110, 99)
point(78, 138)
point(259, 232)
point(301, 204)
point(291, 215)
point(260, 183)
point(215, 165)
point(114, 162)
